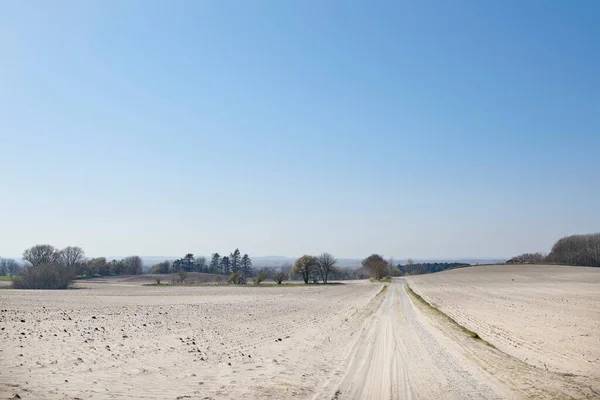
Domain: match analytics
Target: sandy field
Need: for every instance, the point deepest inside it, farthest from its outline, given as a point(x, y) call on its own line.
point(545, 316)
point(119, 339)
point(122, 340)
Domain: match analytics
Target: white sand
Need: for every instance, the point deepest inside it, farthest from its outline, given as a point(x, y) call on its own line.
point(546, 316)
point(119, 340)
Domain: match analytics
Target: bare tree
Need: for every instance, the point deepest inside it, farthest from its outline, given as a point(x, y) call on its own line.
point(325, 263)
point(182, 276)
point(376, 265)
point(134, 265)
point(279, 277)
point(41, 254)
point(528, 258)
point(72, 256)
point(201, 264)
point(581, 250)
point(304, 267)
point(286, 268)
point(8, 267)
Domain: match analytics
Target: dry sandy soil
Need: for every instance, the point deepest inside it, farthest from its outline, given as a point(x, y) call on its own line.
point(547, 317)
point(117, 339)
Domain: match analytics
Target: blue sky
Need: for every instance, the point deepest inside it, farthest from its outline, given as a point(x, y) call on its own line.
point(412, 129)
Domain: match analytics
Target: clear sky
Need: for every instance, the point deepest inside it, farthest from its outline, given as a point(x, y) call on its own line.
point(412, 129)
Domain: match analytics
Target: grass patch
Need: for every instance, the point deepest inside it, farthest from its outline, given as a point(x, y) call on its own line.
point(383, 289)
point(8, 278)
point(387, 279)
point(467, 331)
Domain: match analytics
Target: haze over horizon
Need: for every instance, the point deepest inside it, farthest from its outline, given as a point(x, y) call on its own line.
point(410, 130)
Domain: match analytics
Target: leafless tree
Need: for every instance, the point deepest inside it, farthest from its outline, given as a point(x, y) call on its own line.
point(325, 263)
point(528, 258)
point(182, 276)
point(8, 267)
point(201, 265)
point(392, 270)
point(41, 254)
point(134, 265)
point(72, 256)
point(286, 268)
point(279, 277)
point(581, 250)
point(304, 267)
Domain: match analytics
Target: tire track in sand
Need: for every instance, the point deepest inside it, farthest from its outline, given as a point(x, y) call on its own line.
point(399, 357)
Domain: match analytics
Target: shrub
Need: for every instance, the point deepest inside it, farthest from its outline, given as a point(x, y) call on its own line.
point(182, 276)
point(279, 277)
point(527, 258)
point(237, 279)
point(45, 276)
point(260, 277)
point(157, 280)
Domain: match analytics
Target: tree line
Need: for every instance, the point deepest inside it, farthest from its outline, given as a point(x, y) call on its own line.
point(427, 268)
point(577, 250)
point(226, 265)
point(47, 267)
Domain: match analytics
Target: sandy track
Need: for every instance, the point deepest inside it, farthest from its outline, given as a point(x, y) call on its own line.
point(400, 357)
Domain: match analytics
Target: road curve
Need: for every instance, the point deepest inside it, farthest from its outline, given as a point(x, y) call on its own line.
point(399, 355)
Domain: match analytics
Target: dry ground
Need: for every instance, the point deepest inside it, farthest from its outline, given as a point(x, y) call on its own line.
point(545, 316)
point(118, 339)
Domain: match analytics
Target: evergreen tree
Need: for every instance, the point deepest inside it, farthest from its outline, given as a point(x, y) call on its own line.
point(215, 262)
point(188, 262)
point(246, 266)
point(234, 259)
point(225, 265)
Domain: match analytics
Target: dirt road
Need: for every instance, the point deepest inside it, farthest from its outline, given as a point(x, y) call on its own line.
point(400, 357)
point(409, 350)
